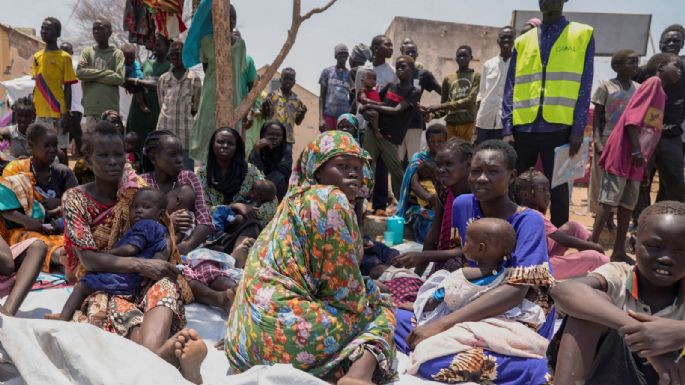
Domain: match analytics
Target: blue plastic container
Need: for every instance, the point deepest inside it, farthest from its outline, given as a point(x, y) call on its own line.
point(396, 225)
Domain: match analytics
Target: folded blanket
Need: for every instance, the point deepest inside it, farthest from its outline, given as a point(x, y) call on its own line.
point(497, 335)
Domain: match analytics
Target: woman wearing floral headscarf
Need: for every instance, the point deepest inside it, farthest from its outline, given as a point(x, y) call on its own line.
point(302, 299)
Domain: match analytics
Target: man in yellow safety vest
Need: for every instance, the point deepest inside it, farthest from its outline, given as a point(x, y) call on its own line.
point(547, 94)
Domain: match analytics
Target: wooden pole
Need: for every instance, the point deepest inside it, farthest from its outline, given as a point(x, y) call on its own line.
point(224, 66)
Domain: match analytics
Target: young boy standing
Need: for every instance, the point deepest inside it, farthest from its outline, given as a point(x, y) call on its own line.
point(54, 74)
point(625, 323)
point(284, 105)
point(101, 71)
point(629, 148)
point(179, 92)
point(459, 92)
point(334, 98)
point(610, 100)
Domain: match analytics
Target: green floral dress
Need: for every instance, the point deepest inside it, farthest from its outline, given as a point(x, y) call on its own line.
point(214, 198)
point(302, 299)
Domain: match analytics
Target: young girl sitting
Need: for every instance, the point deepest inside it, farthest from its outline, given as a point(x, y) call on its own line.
point(532, 190)
point(489, 242)
point(370, 95)
point(147, 238)
point(619, 328)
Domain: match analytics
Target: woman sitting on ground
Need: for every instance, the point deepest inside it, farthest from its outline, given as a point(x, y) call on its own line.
point(412, 190)
point(19, 267)
point(96, 215)
point(527, 276)
point(164, 156)
point(303, 300)
point(453, 162)
point(227, 179)
point(273, 156)
point(31, 194)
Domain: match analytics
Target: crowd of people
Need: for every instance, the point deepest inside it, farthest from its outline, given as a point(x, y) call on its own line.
point(166, 208)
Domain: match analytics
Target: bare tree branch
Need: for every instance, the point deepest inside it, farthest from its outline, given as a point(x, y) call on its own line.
point(265, 79)
point(318, 10)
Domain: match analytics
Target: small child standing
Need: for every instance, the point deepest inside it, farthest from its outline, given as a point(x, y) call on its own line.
point(489, 242)
point(629, 148)
point(610, 100)
point(532, 191)
point(369, 95)
point(147, 238)
point(134, 71)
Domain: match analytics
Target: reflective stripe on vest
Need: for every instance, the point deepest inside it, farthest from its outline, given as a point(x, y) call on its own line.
point(556, 86)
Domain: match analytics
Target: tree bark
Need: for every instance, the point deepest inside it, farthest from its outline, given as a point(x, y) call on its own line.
point(224, 67)
point(247, 103)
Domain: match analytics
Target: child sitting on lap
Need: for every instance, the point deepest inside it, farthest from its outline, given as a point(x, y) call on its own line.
point(619, 311)
point(489, 242)
point(263, 191)
point(147, 238)
point(532, 190)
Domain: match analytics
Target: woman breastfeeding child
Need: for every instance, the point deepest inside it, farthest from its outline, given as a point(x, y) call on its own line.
point(526, 276)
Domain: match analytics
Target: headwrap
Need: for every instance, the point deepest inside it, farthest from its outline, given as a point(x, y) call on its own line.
point(361, 53)
point(350, 118)
point(325, 147)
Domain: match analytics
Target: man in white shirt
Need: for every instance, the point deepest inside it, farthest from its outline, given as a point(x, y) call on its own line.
point(489, 99)
point(76, 111)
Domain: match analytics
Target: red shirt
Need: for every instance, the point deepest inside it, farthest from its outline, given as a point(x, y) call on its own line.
point(646, 111)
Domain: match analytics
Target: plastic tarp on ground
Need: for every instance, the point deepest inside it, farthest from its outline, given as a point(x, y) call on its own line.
point(68, 353)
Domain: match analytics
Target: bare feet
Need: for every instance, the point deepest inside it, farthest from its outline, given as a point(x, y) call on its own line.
point(226, 298)
point(241, 251)
point(219, 345)
point(190, 351)
point(168, 348)
point(3, 311)
point(52, 316)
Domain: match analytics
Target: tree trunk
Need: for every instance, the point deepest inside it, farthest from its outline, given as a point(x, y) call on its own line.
point(224, 66)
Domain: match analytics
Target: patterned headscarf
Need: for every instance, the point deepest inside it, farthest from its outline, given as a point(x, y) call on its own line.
point(325, 147)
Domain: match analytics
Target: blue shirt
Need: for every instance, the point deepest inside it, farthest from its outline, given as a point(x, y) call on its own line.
point(549, 33)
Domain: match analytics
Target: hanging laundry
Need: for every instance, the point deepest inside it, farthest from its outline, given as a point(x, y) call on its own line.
point(139, 23)
point(167, 17)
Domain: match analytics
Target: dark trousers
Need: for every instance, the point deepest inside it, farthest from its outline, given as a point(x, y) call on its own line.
point(379, 201)
point(668, 160)
point(528, 146)
point(483, 134)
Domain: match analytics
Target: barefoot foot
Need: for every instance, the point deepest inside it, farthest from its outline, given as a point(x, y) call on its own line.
point(227, 297)
point(168, 348)
point(190, 351)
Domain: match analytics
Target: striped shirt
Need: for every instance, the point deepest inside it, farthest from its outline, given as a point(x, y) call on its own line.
point(178, 99)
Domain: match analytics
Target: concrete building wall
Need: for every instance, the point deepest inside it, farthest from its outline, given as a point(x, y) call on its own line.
point(438, 41)
point(16, 50)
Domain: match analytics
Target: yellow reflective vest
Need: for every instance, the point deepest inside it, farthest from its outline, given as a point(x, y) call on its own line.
point(556, 86)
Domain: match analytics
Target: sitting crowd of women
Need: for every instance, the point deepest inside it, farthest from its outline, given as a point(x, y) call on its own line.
point(301, 298)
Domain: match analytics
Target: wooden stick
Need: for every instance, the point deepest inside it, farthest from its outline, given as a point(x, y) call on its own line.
point(224, 67)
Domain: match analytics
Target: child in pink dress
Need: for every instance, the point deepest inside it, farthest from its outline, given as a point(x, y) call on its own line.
point(532, 190)
point(629, 148)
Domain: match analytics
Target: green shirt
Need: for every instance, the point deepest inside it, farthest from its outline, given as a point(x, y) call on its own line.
point(101, 72)
point(459, 92)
